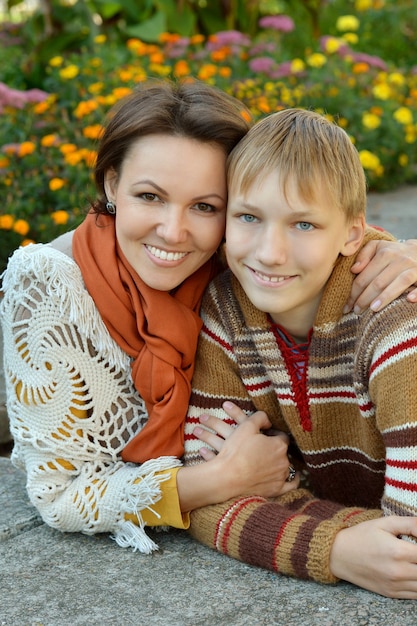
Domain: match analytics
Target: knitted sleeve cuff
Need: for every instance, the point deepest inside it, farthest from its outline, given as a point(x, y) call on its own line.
point(291, 535)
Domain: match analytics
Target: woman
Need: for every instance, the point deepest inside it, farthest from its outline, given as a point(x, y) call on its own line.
point(100, 330)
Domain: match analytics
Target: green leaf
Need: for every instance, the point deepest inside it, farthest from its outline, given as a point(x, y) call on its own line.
point(150, 29)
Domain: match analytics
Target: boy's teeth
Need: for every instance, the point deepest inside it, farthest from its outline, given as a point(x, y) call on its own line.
point(272, 279)
point(164, 255)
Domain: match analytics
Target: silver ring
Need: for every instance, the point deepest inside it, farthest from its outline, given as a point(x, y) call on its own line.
point(291, 474)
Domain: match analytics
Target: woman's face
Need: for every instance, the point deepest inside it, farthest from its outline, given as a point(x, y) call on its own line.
point(170, 201)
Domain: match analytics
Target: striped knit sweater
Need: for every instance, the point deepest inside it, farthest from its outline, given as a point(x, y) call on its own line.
point(354, 430)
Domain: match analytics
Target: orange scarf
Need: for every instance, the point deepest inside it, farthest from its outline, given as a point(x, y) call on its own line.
point(159, 330)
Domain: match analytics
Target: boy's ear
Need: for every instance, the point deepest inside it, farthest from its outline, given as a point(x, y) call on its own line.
point(355, 234)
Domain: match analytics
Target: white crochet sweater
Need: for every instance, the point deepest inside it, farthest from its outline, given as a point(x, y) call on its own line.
point(72, 404)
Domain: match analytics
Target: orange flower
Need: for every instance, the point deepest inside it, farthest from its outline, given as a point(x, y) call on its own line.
point(25, 148)
point(48, 140)
point(60, 217)
point(207, 71)
point(67, 148)
point(360, 68)
point(56, 183)
point(156, 57)
point(21, 227)
point(181, 68)
point(6, 222)
point(93, 132)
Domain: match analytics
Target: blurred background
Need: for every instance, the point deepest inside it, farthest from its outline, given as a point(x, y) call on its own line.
point(64, 63)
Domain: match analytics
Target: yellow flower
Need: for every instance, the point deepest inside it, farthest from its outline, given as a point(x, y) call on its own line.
point(21, 227)
point(26, 242)
point(382, 91)
point(100, 39)
point(4, 162)
point(395, 78)
point(48, 140)
point(351, 38)
point(56, 61)
point(332, 45)
point(316, 60)
point(403, 115)
point(60, 217)
point(347, 22)
point(93, 132)
point(96, 88)
point(56, 183)
point(96, 62)
point(26, 147)
point(297, 65)
point(6, 222)
point(371, 121)
point(363, 5)
point(69, 72)
point(369, 161)
point(403, 160)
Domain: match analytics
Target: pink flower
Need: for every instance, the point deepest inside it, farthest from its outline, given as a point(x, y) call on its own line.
point(228, 38)
point(17, 99)
point(283, 23)
point(261, 64)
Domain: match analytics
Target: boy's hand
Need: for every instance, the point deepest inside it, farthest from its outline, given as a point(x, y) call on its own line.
point(385, 270)
point(372, 556)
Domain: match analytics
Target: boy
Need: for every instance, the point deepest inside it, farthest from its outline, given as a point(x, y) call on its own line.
point(343, 386)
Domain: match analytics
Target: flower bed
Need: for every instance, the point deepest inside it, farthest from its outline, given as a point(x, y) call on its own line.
point(47, 147)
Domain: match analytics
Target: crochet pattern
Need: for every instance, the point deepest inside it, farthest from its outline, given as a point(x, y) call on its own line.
point(72, 403)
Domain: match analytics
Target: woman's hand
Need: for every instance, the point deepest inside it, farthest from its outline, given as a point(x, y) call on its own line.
point(252, 451)
point(248, 462)
point(372, 556)
point(385, 270)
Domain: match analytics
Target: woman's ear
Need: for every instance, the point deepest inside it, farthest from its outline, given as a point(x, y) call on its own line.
point(355, 234)
point(110, 184)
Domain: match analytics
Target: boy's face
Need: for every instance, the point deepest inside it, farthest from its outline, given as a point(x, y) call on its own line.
point(283, 249)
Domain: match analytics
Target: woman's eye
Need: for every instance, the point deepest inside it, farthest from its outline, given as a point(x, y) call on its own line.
point(149, 197)
point(305, 226)
point(204, 207)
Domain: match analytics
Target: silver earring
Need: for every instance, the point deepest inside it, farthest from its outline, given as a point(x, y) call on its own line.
point(110, 207)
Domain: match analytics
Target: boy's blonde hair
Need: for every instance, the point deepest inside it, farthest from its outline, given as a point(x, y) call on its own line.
point(316, 153)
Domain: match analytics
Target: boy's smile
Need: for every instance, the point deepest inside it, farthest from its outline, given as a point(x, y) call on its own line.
point(282, 248)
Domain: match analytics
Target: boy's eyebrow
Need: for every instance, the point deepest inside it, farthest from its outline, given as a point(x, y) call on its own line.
point(296, 213)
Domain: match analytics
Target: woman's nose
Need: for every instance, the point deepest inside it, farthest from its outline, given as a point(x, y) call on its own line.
point(173, 227)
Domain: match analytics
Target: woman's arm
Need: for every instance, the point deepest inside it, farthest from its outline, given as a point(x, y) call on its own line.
point(71, 405)
point(385, 270)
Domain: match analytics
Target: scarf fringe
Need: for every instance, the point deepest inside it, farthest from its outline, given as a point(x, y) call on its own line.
point(63, 281)
point(143, 492)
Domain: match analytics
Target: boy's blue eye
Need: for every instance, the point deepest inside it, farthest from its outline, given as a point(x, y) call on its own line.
point(249, 219)
point(305, 226)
